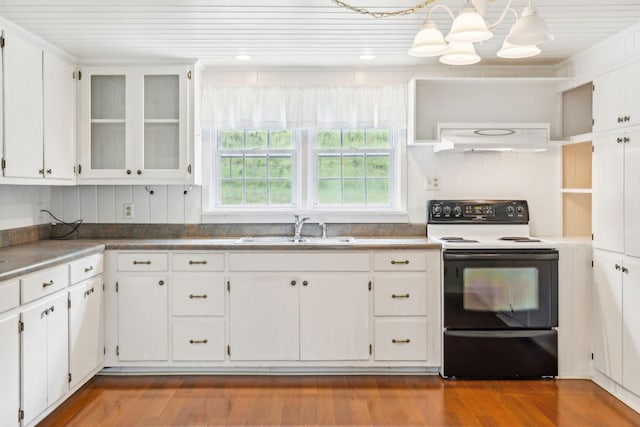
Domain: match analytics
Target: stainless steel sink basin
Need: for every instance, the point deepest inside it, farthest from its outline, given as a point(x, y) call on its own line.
point(278, 240)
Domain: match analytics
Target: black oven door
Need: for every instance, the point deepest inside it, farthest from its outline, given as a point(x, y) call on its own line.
point(500, 289)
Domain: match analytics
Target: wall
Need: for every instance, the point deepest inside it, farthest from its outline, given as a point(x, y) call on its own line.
point(20, 205)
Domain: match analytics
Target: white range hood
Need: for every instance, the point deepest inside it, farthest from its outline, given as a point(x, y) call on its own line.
point(492, 137)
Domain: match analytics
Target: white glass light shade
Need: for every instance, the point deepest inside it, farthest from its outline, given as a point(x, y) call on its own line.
point(530, 29)
point(514, 51)
point(469, 27)
point(428, 42)
point(460, 54)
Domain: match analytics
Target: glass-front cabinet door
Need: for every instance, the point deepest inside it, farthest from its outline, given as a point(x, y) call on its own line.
point(134, 125)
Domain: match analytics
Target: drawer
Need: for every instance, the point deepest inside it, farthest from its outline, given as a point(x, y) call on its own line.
point(400, 339)
point(198, 339)
point(297, 261)
point(44, 282)
point(143, 261)
point(198, 294)
point(400, 295)
point(400, 261)
point(85, 268)
point(9, 295)
point(197, 261)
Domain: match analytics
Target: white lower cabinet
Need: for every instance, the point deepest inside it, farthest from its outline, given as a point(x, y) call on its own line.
point(9, 369)
point(143, 317)
point(264, 316)
point(198, 340)
point(86, 329)
point(45, 355)
point(616, 345)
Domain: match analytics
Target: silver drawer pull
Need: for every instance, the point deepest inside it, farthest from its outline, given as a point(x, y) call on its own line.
point(198, 341)
point(394, 296)
point(47, 284)
point(88, 292)
point(203, 296)
point(141, 262)
point(203, 262)
point(395, 341)
point(47, 311)
point(88, 269)
point(406, 261)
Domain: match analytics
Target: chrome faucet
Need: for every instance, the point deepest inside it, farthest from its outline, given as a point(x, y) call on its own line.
point(298, 224)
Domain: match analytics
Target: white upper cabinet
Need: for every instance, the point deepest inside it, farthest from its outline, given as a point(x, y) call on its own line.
point(23, 108)
point(134, 125)
point(59, 118)
point(615, 100)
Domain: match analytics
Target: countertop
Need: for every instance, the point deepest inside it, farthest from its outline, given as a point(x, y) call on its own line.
point(18, 260)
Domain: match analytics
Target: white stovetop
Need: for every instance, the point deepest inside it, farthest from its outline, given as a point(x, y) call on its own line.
point(486, 236)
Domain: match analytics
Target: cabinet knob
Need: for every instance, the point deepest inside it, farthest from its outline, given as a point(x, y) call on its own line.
point(139, 172)
point(620, 119)
point(619, 140)
point(626, 118)
point(617, 266)
point(305, 283)
point(128, 171)
point(626, 139)
point(41, 171)
point(49, 171)
point(161, 282)
point(293, 283)
point(625, 270)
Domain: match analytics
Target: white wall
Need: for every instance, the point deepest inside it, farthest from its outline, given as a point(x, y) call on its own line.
point(20, 205)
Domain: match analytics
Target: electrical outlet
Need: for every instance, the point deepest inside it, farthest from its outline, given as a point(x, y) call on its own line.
point(128, 210)
point(432, 183)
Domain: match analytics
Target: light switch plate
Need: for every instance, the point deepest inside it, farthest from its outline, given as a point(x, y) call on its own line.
point(128, 212)
point(432, 183)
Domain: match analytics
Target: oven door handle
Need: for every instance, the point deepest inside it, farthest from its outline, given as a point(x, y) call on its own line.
point(499, 256)
point(501, 333)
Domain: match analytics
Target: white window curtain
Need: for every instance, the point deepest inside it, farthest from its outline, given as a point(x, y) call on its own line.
point(295, 107)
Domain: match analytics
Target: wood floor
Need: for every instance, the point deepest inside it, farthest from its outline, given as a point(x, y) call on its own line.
point(338, 400)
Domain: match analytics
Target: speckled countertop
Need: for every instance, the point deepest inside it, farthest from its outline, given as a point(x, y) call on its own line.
point(17, 260)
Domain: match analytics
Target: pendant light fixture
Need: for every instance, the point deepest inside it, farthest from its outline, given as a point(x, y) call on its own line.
point(470, 26)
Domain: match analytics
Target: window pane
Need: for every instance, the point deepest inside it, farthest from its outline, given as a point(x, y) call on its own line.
point(257, 139)
point(378, 166)
point(378, 138)
point(378, 191)
point(329, 138)
point(279, 139)
point(329, 166)
point(353, 191)
point(280, 167)
point(329, 191)
point(231, 139)
point(256, 192)
point(353, 138)
point(231, 192)
point(231, 167)
point(280, 193)
point(353, 166)
point(255, 167)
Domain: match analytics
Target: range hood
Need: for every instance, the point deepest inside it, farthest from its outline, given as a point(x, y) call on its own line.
point(492, 137)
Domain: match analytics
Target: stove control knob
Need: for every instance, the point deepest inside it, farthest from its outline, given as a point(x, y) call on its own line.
point(520, 209)
point(437, 210)
point(510, 210)
point(457, 211)
point(447, 210)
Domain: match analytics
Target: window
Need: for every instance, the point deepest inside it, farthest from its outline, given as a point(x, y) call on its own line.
point(354, 167)
point(256, 168)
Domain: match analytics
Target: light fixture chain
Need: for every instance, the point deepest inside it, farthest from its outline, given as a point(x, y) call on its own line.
point(385, 14)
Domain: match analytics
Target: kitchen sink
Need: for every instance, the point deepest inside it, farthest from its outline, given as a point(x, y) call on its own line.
point(277, 240)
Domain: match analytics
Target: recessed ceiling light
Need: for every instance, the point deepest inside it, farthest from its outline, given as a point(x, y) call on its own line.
point(242, 57)
point(367, 56)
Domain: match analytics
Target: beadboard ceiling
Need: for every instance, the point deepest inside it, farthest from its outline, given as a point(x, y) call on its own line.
point(291, 33)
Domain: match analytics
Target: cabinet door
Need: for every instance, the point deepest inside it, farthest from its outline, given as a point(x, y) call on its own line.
point(631, 91)
point(334, 317)
point(608, 181)
point(59, 118)
point(86, 329)
point(631, 325)
point(163, 151)
point(23, 124)
point(57, 348)
point(264, 319)
point(143, 318)
point(105, 140)
point(608, 100)
point(34, 361)
point(9, 371)
point(631, 194)
point(607, 314)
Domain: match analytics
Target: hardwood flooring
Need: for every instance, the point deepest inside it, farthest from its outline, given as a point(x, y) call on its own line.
point(338, 400)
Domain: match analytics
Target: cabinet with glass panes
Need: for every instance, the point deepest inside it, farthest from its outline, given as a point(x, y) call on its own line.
point(135, 125)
